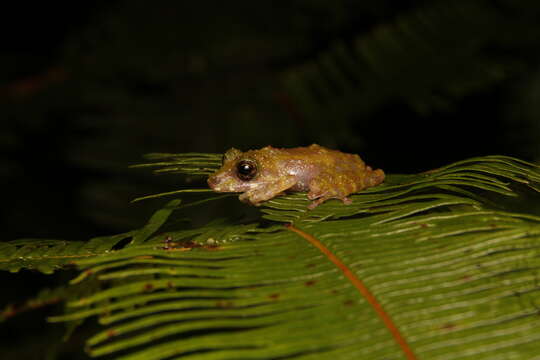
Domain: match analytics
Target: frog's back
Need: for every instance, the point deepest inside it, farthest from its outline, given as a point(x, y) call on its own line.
point(325, 160)
point(341, 169)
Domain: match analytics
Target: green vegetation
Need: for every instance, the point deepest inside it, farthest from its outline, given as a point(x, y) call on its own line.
point(455, 270)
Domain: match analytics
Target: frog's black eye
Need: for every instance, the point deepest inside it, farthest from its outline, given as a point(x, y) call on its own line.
point(246, 169)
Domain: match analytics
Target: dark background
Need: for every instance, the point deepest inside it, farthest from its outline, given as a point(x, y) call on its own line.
point(87, 88)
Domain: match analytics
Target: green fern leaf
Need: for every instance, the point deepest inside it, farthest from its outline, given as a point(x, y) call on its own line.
point(416, 268)
point(47, 256)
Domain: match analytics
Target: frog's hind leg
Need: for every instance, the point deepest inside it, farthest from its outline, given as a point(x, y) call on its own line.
point(373, 178)
point(316, 202)
point(325, 187)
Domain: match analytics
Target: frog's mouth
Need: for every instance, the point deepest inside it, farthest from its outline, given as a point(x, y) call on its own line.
point(222, 183)
point(226, 183)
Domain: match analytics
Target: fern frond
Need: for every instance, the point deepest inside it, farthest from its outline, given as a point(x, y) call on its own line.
point(449, 275)
point(248, 295)
point(187, 163)
point(426, 58)
point(489, 174)
point(47, 256)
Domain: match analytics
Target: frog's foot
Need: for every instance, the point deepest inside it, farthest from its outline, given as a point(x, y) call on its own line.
point(317, 197)
point(248, 198)
point(313, 195)
point(320, 200)
point(316, 203)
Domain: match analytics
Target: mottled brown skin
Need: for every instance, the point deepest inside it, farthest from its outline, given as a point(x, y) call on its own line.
point(323, 173)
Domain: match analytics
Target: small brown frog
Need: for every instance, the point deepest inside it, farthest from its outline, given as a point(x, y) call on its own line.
point(263, 174)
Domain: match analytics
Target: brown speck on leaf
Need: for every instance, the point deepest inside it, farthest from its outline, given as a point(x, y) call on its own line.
point(448, 326)
point(142, 257)
point(170, 284)
point(148, 287)
point(111, 333)
point(274, 296)
point(466, 277)
point(187, 245)
point(493, 226)
point(334, 292)
point(310, 283)
point(12, 310)
point(422, 225)
point(312, 265)
point(224, 304)
point(191, 244)
point(348, 302)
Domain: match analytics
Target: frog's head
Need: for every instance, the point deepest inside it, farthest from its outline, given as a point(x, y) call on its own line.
point(239, 172)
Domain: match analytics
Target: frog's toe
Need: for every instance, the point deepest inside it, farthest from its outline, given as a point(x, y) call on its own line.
point(245, 198)
point(346, 200)
point(312, 195)
point(316, 203)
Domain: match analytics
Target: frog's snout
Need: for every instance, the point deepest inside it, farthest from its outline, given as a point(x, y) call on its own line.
point(217, 183)
point(212, 181)
point(223, 182)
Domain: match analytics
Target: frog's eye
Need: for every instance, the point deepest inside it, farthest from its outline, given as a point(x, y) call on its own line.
point(246, 169)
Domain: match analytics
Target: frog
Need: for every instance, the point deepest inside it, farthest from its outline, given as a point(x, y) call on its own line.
point(261, 175)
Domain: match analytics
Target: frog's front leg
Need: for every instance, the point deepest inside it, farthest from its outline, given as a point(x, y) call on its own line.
point(267, 191)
